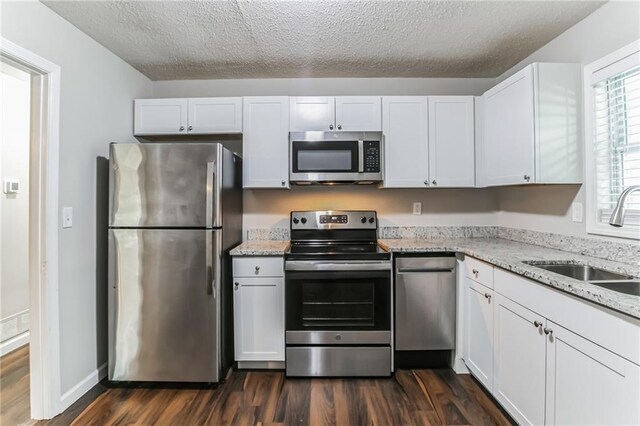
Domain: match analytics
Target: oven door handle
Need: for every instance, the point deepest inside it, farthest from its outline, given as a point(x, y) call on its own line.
point(313, 265)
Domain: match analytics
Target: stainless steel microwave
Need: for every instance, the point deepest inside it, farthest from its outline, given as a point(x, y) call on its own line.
point(335, 157)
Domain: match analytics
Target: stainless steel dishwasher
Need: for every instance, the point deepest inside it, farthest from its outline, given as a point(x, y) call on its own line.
point(425, 302)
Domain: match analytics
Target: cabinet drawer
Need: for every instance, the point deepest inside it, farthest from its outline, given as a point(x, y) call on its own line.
point(479, 271)
point(258, 267)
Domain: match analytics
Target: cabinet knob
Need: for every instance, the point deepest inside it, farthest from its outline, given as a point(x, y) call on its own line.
point(537, 324)
point(257, 270)
point(527, 178)
point(426, 182)
point(330, 126)
point(237, 285)
point(339, 126)
point(488, 297)
point(475, 272)
point(548, 331)
point(283, 183)
point(434, 182)
point(182, 128)
point(190, 128)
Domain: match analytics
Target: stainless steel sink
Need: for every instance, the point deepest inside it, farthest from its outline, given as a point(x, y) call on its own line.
point(631, 287)
point(581, 272)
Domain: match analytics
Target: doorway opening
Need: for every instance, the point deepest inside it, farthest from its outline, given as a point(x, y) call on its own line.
point(29, 342)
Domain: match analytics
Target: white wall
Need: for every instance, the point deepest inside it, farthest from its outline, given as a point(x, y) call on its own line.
point(14, 208)
point(267, 208)
point(548, 208)
point(96, 108)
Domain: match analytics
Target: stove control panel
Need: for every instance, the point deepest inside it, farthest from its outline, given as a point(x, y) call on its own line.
point(334, 219)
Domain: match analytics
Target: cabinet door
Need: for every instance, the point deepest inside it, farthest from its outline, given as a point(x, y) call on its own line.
point(451, 141)
point(215, 115)
point(587, 384)
point(359, 113)
point(519, 361)
point(479, 345)
point(265, 142)
point(406, 160)
point(258, 308)
point(160, 117)
point(312, 114)
point(509, 131)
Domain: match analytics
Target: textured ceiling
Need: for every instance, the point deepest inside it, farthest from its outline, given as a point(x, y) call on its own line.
point(264, 39)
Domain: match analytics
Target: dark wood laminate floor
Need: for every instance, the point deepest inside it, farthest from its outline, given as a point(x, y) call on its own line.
point(411, 397)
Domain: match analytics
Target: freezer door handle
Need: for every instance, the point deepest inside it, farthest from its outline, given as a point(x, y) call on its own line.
point(214, 182)
point(210, 193)
point(209, 262)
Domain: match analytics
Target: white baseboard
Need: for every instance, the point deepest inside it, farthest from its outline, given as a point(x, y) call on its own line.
point(83, 387)
point(459, 366)
point(14, 343)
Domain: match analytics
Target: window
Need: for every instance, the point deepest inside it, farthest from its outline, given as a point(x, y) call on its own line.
point(612, 109)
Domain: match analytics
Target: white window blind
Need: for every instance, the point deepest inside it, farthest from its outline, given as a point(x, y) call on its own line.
point(616, 144)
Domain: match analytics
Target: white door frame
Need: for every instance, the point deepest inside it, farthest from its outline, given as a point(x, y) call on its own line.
point(43, 229)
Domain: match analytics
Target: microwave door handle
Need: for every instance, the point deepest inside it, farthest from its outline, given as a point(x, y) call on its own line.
point(360, 157)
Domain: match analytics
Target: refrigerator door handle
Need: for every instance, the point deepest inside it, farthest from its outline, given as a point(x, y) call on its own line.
point(211, 187)
point(214, 182)
point(209, 263)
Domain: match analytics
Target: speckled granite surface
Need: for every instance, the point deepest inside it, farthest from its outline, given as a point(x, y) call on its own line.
point(261, 248)
point(430, 232)
point(275, 234)
point(510, 255)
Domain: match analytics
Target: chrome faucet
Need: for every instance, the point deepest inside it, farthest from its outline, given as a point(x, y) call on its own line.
point(617, 217)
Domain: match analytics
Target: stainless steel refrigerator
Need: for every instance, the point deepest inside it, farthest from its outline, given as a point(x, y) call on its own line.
point(175, 211)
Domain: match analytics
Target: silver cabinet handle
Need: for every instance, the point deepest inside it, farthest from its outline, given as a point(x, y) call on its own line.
point(237, 285)
point(527, 178)
point(339, 126)
point(475, 272)
point(190, 128)
point(548, 331)
point(182, 128)
point(257, 270)
point(537, 324)
point(283, 183)
point(330, 126)
point(426, 182)
point(488, 297)
point(434, 182)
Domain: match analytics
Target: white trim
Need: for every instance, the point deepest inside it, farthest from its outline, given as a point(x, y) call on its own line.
point(83, 387)
point(593, 225)
point(14, 343)
point(43, 230)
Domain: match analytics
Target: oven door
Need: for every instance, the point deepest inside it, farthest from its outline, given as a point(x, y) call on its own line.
point(331, 303)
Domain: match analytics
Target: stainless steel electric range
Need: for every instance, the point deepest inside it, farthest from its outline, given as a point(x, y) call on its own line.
point(338, 296)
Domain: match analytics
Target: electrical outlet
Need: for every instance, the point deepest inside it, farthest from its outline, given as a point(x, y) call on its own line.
point(417, 208)
point(67, 217)
point(577, 212)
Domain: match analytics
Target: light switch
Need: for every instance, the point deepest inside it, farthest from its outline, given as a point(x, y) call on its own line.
point(67, 217)
point(417, 208)
point(577, 212)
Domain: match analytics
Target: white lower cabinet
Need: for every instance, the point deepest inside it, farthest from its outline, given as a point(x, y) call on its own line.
point(479, 332)
point(258, 311)
point(587, 384)
point(519, 361)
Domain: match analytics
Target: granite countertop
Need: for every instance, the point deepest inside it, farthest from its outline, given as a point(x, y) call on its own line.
point(261, 248)
point(510, 255)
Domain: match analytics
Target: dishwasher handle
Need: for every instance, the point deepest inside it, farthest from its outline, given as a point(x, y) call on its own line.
point(419, 270)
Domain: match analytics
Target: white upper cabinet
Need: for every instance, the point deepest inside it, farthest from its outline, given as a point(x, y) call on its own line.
point(358, 113)
point(451, 141)
point(404, 124)
point(531, 128)
point(187, 116)
point(215, 115)
point(342, 113)
point(265, 142)
point(312, 114)
point(160, 116)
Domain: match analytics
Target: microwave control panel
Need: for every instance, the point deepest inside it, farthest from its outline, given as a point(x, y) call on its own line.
point(371, 156)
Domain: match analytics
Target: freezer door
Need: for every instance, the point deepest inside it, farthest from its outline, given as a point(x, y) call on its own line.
point(166, 185)
point(164, 304)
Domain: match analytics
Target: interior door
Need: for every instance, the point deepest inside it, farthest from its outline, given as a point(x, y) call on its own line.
point(164, 185)
point(163, 296)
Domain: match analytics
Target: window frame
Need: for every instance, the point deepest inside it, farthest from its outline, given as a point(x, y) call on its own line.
point(611, 64)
